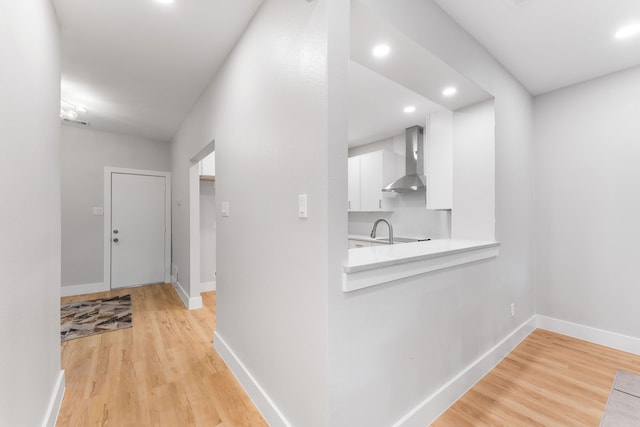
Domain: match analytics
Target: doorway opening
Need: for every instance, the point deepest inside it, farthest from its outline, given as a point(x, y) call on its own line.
point(202, 221)
point(208, 223)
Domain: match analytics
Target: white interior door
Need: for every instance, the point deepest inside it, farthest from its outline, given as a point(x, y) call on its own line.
point(137, 229)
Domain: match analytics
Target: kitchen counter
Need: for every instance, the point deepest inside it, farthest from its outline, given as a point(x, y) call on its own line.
point(376, 265)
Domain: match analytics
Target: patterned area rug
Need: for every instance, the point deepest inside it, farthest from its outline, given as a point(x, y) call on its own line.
point(84, 318)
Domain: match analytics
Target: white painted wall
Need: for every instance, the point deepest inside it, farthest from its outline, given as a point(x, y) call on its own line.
point(267, 111)
point(207, 232)
point(84, 153)
point(388, 347)
point(30, 214)
point(587, 205)
point(392, 346)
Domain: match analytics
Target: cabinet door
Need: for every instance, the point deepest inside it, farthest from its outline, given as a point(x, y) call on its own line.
point(353, 190)
point(371, 176)
point(208, 165)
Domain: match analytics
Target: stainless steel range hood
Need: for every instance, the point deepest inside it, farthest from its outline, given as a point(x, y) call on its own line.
point(414, 179)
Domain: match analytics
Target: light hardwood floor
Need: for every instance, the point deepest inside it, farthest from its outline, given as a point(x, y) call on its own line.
point(165, 372)
point(548, 380)
point(162, 372)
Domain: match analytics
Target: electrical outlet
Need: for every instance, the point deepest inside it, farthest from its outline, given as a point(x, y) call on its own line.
point(513, 309)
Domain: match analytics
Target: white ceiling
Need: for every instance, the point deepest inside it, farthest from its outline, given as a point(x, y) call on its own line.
point(139, 66)
point(549, 44)
point(376, 106)
point(379, 88)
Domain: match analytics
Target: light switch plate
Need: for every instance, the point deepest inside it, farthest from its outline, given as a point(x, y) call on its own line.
point(98, 211)
point(302, 206)
point(225, 209)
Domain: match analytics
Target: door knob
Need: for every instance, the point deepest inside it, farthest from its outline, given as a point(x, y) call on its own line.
point(115, 240)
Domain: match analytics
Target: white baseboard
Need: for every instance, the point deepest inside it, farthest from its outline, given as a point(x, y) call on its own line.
point(433, 406)
point(53, 409)
point(190, 303)
point(587, 333)
point(88, 288)
point(208, 286)
point(438, 402)
point(257, 394)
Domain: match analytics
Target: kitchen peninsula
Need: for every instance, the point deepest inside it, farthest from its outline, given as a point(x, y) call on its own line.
point(376, 265)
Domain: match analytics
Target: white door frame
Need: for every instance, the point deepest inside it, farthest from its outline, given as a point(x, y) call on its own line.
point(194, 218)
point(107, 219)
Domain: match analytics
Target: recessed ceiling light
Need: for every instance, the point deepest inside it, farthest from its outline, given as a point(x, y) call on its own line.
point(450, 91)
point(165, 1)
point(381, 50)
point(628, 31)
point(409, 109)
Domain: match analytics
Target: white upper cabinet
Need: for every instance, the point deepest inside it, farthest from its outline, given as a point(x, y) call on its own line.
point(439, 160)
point(372, 181)
point(368, 174)
point(208, 165)
point(354, 183)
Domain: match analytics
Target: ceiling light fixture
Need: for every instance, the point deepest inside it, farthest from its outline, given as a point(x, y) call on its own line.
point(381, 50)
point(409, 109)
point(450, 91)
point(165, 1)
point(628, 31)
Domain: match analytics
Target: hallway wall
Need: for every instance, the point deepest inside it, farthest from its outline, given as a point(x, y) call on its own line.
point(84, 152)
point(271, 281)
point(30, 375)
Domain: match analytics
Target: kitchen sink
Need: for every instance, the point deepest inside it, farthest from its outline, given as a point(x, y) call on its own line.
point(399, 240)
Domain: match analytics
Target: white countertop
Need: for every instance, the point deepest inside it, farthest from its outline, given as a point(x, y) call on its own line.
point(379, 264)
point(382, 239)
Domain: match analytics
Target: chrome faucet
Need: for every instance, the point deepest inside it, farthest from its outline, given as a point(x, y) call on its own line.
point(375, 227)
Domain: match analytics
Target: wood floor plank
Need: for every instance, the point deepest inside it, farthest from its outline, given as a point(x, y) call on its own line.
point(548, 380)
point(163, 371)
point(234, 412)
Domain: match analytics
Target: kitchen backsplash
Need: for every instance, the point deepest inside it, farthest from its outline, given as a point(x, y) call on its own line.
point(409, 218)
